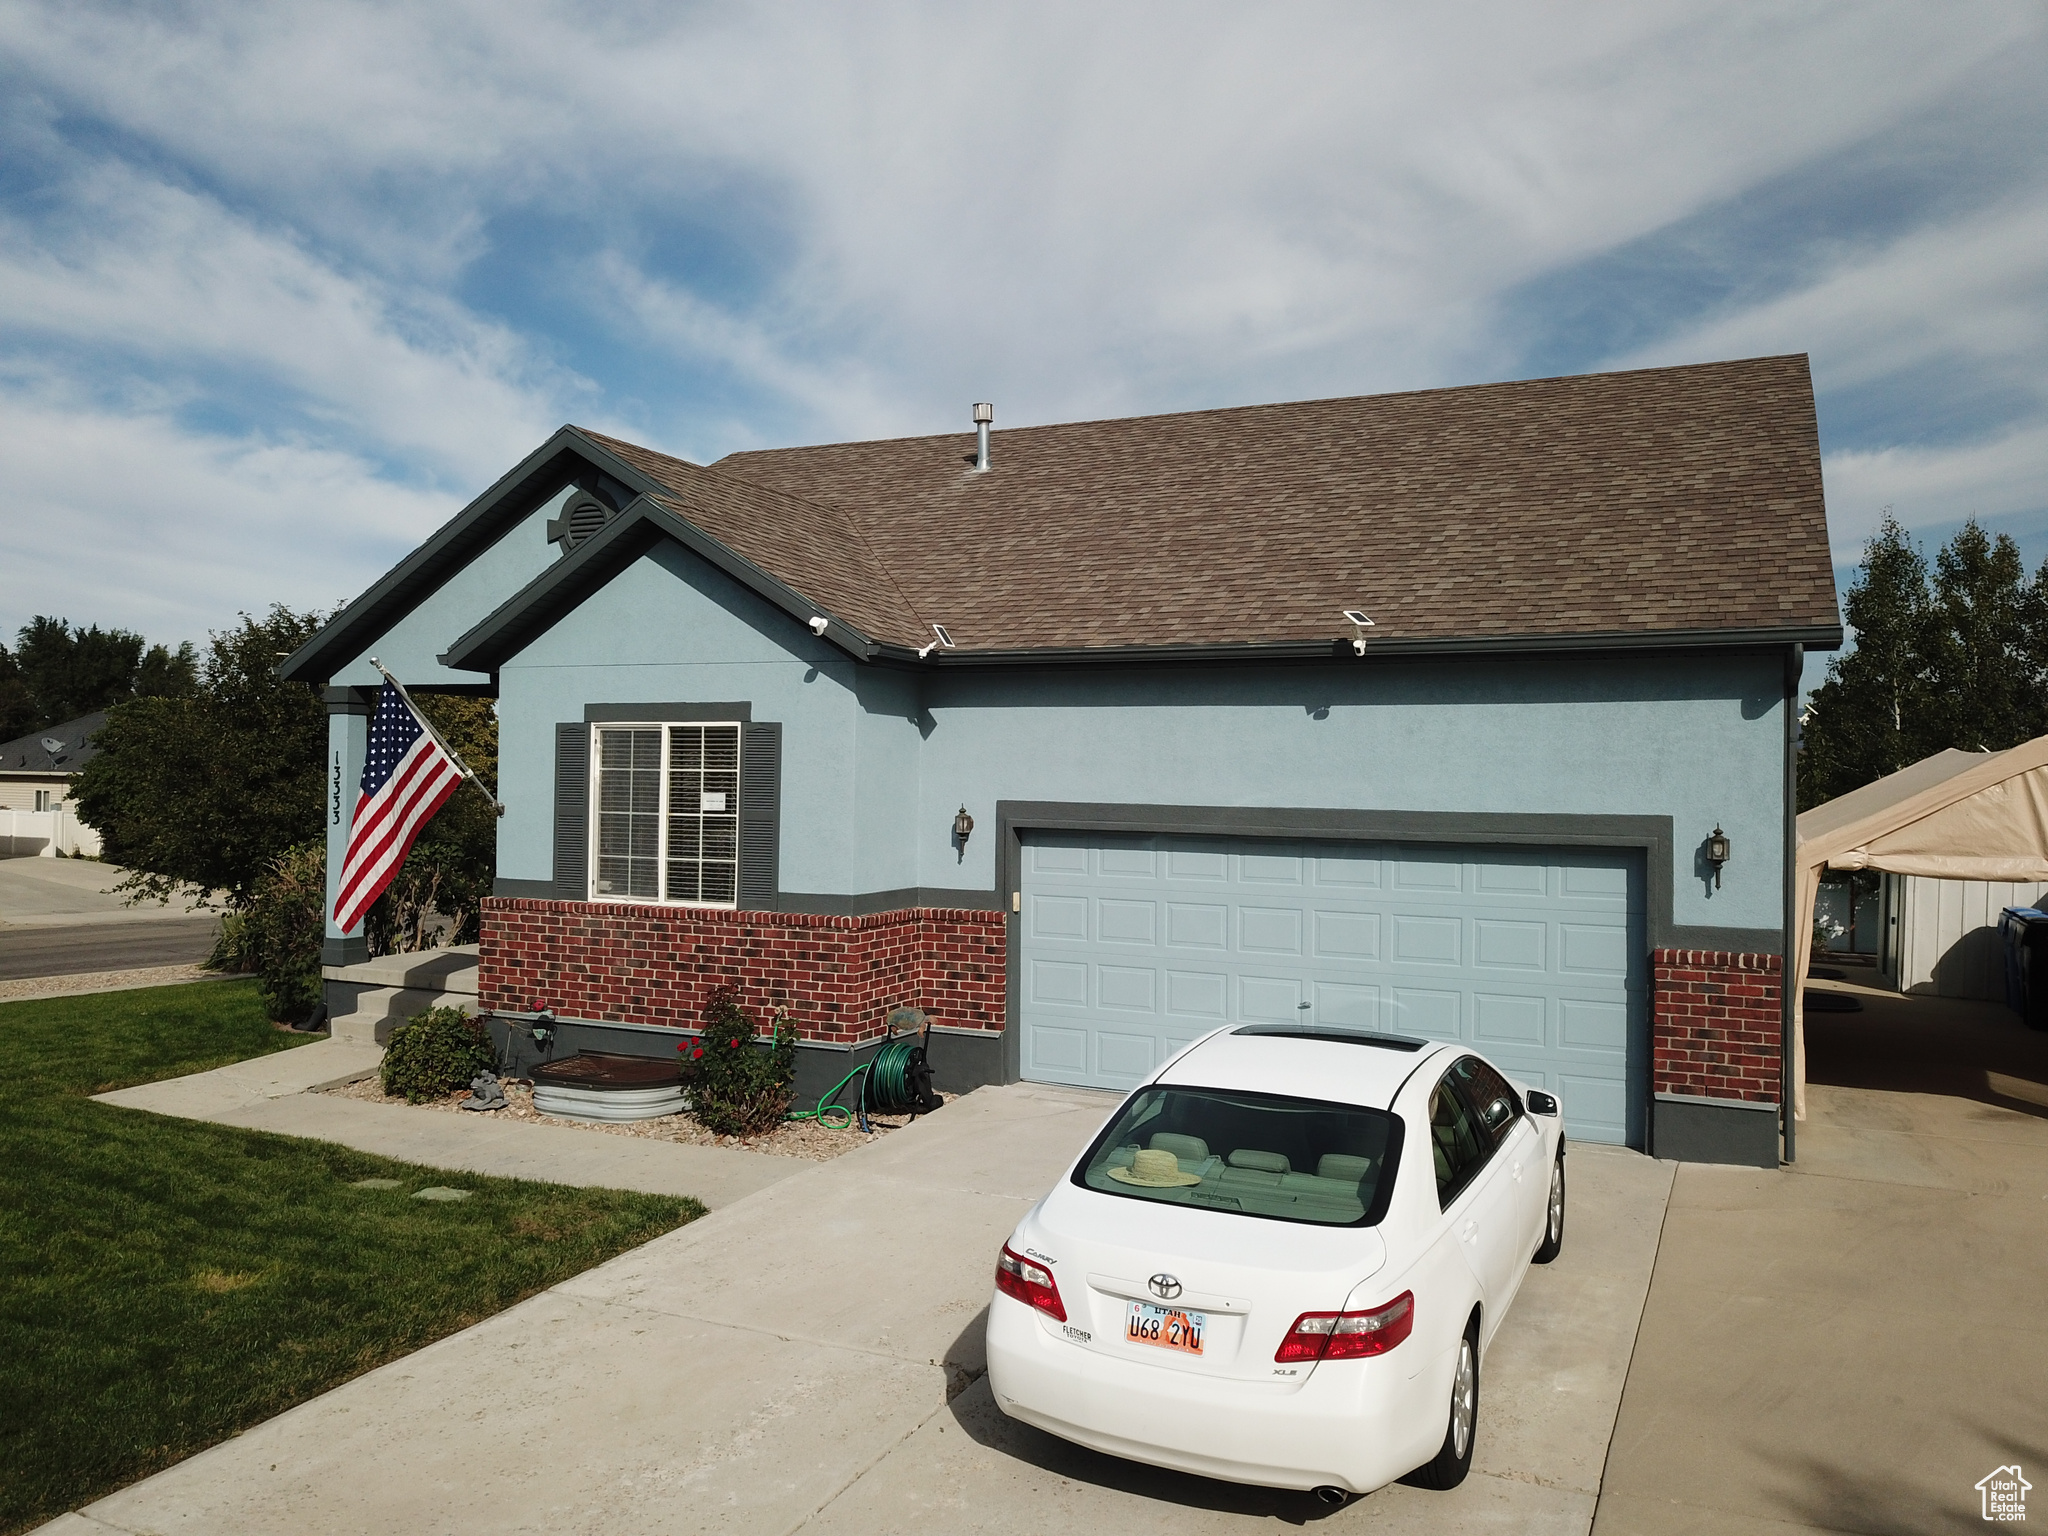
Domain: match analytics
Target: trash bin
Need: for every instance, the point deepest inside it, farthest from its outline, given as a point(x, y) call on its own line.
point(2023, 932)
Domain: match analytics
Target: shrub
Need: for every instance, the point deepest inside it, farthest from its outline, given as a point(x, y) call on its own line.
point(736, 1087)
point(435, 1053)
point(282, 928)
point(230, 946)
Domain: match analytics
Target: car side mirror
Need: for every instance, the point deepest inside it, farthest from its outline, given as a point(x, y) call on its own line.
point(1541, 1103)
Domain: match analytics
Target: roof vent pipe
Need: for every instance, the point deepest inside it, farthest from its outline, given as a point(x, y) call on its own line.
point(984, 414)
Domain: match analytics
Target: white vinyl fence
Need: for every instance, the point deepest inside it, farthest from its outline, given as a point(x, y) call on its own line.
point(45, 834)
point(1948, 934)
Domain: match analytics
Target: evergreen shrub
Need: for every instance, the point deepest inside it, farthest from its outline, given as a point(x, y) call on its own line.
point(433, 1054)
point(736, 1087)
point(281, 931)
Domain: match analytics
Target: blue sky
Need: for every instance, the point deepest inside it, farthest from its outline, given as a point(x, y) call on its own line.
point(283, 286)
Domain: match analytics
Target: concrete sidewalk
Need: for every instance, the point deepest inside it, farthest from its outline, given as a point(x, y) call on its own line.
point(271, 1093)
point(810, 1357)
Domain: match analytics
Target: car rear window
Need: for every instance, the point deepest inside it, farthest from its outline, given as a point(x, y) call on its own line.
point(1248, 1154)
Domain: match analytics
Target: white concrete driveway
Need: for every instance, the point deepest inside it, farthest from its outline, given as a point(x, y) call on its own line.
point(810, 1358)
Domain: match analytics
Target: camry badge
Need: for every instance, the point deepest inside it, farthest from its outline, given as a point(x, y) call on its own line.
point(1165, 1287)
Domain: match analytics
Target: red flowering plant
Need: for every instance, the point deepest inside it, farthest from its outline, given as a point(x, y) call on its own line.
point(739, 1084)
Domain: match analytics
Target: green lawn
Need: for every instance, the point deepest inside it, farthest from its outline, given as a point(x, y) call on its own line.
point(165, 1283)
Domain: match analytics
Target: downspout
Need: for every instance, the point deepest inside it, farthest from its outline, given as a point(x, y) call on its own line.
point(1795, 669)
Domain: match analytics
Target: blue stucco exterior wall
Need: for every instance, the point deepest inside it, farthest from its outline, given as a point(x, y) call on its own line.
point(412, 646)
point(876, 762)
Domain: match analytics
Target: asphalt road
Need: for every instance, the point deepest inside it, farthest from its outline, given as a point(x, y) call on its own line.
point(66, 951)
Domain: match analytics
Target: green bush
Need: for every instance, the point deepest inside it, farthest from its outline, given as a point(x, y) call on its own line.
point(230, 950)
point(435, 1053)
point(736, 1088)
point(282, 929)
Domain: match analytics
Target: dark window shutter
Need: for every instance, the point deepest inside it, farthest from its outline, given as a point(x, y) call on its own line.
point(572, 811)
point(760, 815)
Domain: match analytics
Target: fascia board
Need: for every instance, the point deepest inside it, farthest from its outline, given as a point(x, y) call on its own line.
point(1814, 638)
point(464, 536)
point(634, 531)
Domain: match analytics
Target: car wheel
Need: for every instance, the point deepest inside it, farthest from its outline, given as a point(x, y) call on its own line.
point(1454, 1460)
point(1553, 1218)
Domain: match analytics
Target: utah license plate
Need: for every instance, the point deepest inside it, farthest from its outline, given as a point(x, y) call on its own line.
point(1165, 1327)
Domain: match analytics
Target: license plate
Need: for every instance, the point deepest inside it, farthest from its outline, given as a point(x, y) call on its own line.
point(1165, 1327)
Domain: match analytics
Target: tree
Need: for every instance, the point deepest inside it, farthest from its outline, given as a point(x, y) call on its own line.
point(1955, 662)
point(57, 673)
point(209, 788)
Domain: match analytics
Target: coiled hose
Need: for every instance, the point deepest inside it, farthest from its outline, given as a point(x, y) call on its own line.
point(885, 1088)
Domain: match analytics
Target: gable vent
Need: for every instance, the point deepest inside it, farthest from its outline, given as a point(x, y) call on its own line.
point(580, 519)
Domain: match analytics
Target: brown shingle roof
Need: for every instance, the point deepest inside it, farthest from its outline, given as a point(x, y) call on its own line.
point(1667, 500)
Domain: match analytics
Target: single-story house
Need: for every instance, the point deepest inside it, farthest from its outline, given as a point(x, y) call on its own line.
point(35, 790)
point(1464, 713)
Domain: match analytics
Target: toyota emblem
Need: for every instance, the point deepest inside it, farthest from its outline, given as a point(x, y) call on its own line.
point(1165, 1287)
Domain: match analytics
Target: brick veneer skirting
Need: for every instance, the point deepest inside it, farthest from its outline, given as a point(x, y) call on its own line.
point(838, 976)
point(1717, 1023)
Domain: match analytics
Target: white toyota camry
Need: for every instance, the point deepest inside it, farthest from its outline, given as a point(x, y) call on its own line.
point(1283, 1260)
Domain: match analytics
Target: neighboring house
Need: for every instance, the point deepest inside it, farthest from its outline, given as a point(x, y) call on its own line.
point(746, 712)
point(35, 788)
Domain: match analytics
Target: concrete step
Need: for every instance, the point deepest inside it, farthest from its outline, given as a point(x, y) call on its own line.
point(431, 970)
point(379, 1010)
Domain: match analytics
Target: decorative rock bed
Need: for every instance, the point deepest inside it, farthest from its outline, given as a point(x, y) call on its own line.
point(613, 1089)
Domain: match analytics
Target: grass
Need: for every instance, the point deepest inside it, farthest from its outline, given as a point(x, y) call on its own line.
point(165, 1284)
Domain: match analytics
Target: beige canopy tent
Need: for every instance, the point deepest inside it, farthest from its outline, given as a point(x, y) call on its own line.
point(1954, 816)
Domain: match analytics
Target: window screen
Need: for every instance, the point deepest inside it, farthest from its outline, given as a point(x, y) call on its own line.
point(667, 824)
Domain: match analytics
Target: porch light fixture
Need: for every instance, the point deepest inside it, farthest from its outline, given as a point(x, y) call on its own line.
point(1717, 852)
point(963, 825)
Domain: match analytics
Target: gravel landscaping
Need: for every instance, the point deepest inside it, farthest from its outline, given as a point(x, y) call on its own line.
point(793, 1138)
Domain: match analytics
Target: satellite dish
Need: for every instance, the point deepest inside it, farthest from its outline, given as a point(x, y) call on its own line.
point(52, 745)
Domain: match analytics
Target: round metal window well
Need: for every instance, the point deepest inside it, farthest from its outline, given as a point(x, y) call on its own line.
point(616, 1089)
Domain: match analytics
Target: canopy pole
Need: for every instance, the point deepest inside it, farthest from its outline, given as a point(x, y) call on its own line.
point(427, 725)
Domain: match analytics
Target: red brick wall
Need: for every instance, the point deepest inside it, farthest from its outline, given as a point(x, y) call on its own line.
point(838, 976)
point(1717, 1024)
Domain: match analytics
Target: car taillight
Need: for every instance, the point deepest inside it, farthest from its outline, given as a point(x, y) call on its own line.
point(1030, 1283)
point(1349, 1335)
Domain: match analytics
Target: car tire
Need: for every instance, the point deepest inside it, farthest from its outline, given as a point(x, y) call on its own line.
point(1553, 1217)
point(1448, 1468)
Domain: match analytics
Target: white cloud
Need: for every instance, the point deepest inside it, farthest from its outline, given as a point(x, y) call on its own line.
point(1991, 480)
point(137, 520)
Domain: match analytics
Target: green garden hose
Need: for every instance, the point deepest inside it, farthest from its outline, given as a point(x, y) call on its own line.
point(885, 1089)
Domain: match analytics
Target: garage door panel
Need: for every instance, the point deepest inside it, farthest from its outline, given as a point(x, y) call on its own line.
point(1352, 936)
point(1269, 999)
point(1125, 1056)
point(1511, 880)
point(1137, 946)
point(1130, 988)
point(1508, 1020)
point(1126, 922)
point(1428, 940)
point(1427, 876)
point(1585, 1024)
point(1518, 946)
point(1347, 1006)
point(1593, 951)
point(1198, 995)
point(1269, 869)
point(1187, 864)
point(1059, 917)
point(1059, 984)
point(1269, 930)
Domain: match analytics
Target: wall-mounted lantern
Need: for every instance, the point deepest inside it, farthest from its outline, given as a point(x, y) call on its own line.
point(963, 826)
point(1717, 852)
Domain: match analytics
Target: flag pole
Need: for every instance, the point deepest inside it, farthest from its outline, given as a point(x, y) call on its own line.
point(426, 725)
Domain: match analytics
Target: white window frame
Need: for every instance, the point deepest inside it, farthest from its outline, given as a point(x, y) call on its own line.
point(596, 803)
point(44, 801)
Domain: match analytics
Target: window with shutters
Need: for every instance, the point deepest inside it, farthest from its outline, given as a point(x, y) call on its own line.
point(666, 822)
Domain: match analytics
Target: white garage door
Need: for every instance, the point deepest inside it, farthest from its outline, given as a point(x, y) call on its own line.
point(1132, 947)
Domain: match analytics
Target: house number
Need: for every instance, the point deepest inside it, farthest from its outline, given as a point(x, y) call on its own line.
point(337, 789)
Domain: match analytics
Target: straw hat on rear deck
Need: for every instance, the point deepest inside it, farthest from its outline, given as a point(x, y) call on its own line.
point(1154, 1169)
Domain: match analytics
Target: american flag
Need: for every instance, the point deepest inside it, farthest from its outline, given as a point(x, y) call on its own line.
point(406, 778)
